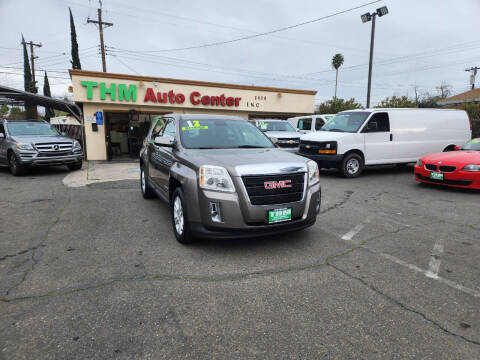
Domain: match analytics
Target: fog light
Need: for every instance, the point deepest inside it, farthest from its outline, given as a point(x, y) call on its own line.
point(215, 212)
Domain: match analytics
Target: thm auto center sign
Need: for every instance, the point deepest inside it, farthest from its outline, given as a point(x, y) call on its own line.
point(128, 93)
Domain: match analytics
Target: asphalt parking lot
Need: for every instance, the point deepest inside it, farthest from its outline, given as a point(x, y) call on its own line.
point(390, 270)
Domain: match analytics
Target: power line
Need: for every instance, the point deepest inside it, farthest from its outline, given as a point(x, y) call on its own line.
point(248, 37)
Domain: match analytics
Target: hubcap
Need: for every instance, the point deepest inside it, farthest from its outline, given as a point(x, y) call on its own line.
point(142, 176)
point(352, 166)
point(178, 215)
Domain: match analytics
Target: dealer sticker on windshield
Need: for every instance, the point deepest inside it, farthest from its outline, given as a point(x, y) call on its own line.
point(437, 176)
point(279, 215)
point(194, 125)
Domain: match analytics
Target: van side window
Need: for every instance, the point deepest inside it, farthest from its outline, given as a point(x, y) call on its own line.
point(305, 124)
point(319, 123)
point(379, 122)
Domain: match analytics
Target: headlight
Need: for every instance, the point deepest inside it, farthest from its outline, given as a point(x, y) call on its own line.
point(313, 173)
point(76, 145)
point(419, 162)
point(215, 178)
point(471, 167)
point(25, 147)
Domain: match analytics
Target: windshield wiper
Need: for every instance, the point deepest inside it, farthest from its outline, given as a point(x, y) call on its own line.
point(249, 147)
point(338, 130)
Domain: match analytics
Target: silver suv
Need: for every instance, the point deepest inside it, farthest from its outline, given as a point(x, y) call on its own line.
point(25, 143)
point(223, 178)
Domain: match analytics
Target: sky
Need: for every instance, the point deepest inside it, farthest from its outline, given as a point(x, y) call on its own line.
point(419, 43)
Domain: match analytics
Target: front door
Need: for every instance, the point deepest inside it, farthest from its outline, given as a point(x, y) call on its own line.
point(378, 139)
point(161, 158)
point(3, 145)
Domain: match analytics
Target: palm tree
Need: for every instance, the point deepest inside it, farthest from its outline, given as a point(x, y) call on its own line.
point(337, 61)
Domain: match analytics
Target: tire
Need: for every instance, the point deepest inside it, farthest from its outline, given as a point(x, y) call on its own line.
point(147, 191)
point(14, 165)
point(75, 166)
point(352, 165)
point(180, 224)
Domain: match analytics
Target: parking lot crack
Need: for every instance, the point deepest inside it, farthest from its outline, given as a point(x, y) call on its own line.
point(398, 303)
point(347, 195)
point(34, 258)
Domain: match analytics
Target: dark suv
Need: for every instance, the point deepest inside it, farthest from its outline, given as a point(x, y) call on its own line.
point(25, 143)
point(224, 178)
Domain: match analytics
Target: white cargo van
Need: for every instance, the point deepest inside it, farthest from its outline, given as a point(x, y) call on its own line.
point(309, 123)
point(353, 139)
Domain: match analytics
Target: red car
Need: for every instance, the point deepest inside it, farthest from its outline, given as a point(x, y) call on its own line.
point(459, 168)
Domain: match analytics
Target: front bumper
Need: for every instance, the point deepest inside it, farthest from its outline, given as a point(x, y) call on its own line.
point(38, 159)
point(324, 161)
point(240, 219)
point(459, 178)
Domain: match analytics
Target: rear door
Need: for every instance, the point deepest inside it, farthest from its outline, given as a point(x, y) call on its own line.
point(378, 139)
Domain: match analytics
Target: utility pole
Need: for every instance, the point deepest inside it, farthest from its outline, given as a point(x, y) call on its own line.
point(101, 24)
point(32, 63)
point(473, 73)
point(366, 18)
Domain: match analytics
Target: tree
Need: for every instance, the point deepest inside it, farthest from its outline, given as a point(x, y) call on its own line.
point(27, 73)
point(4, 109)
point(73, 34)
point(337, 61)
point(397, 102)
point(335, 105)
point(445, 90)
point(429, 101)
point(17, 114)
point(49, 113)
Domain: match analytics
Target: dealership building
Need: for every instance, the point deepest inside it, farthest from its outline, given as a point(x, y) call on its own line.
point(119, 109)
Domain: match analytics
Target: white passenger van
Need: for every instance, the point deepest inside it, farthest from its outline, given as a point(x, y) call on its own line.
point(353, 139)
point(309, 123)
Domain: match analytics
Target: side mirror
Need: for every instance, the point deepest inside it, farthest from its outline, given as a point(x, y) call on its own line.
point(372, 126)
point(2, 136)
point(165, 141)
point(457, 147)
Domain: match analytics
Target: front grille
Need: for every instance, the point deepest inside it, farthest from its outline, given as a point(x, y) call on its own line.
point(312, 147)
point(288, 143)
point(447, 168)
point(51, 147)
point(445, 181)
point(431, 167)
point(55, 153)
point(259, 195)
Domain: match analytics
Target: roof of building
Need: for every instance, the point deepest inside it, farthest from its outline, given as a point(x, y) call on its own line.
point(468, 96)
point(187, 82)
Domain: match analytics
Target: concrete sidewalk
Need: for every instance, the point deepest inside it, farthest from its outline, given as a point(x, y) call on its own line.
point(102, 171)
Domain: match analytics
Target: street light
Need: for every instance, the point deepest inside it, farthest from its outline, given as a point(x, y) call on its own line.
point(366, 18)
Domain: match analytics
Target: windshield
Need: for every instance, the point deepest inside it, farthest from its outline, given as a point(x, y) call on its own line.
point(474, 144)
point(31, 128)
point(346, 122)
point(275, 126)
point(221, 134)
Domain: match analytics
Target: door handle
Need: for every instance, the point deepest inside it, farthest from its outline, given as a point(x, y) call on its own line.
point(391, 137)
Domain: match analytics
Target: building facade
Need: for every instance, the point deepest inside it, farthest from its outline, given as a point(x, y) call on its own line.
point(119, 109)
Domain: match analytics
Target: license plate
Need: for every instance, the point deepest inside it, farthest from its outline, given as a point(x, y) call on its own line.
point(437, 176)
point(279, 215)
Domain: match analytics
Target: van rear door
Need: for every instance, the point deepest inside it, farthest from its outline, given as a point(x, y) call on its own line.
point(378, 139)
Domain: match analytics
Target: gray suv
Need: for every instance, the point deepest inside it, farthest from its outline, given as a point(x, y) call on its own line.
point(223, 178)
point(25, 143)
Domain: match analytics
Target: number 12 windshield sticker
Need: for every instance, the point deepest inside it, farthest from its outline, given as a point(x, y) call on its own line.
point(194, 125)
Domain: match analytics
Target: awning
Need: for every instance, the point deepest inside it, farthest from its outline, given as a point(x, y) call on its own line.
point(13, 96)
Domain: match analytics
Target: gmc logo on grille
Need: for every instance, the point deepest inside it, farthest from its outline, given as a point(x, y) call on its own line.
point(282, 184)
